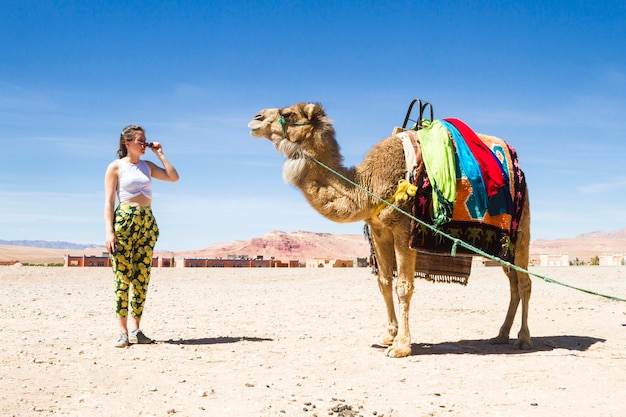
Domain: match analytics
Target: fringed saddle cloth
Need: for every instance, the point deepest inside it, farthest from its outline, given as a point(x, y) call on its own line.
point(470, 188)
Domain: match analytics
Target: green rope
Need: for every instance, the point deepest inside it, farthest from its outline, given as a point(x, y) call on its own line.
point(457, 242)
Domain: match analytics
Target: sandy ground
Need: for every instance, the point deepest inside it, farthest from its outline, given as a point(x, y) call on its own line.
point(304, 342)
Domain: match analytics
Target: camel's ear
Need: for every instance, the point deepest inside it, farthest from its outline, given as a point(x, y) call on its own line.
point(314, 111)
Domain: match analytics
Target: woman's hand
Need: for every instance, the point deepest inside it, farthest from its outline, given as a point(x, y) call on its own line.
point(156, 148)
point(111, 243)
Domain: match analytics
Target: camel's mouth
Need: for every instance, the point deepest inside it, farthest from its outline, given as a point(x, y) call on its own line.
point(261, 124)
point(255, 125)
point(258, 127)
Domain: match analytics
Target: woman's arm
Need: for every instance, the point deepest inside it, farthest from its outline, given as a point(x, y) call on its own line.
point(168, 172)
point(110, 186)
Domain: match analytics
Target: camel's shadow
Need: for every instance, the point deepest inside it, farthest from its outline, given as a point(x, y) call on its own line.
point(216, 340)
point(483, 347)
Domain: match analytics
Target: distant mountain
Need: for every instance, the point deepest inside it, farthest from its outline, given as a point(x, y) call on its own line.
point(46, 244)
point(616, 234)
point(303, 245)
point(585, 246)
point(298, 245)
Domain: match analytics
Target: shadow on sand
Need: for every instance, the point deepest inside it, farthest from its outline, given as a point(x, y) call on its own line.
point(483, 347)
point(215, 340)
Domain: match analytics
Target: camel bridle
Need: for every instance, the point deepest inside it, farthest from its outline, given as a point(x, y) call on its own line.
point(283, 123)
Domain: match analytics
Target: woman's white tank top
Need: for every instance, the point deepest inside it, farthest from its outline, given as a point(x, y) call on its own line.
point(133, 179)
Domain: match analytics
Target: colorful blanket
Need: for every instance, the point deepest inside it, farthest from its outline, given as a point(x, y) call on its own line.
point(489, 190)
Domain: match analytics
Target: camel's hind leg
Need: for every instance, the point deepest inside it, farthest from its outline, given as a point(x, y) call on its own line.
point(520, 285)
point(520, 288)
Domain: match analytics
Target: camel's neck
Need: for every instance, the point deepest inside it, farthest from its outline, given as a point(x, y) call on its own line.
point(315, 165)
point(331, 191)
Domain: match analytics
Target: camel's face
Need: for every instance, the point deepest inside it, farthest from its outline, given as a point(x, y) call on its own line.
point(265, 124)
point(292, 131)
point(292, 123)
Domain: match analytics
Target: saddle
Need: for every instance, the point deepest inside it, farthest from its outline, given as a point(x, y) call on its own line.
point(485, 210)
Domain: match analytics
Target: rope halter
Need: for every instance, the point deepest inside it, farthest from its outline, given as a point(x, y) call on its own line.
point(283, 123)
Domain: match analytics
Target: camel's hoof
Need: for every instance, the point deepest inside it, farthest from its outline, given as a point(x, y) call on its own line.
point(398, 351)
point(524, 344)
point(500, 340)
point(387, 341)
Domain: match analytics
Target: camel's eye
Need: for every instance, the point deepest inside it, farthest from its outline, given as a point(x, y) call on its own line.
point(288, 115)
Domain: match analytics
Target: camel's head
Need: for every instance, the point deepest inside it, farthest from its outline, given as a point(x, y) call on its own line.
point(297, 131)
point(293, 124)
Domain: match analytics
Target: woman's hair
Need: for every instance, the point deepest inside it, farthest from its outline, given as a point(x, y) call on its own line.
point(128, 134)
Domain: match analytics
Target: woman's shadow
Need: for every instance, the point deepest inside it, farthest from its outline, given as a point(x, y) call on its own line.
point(216, 340)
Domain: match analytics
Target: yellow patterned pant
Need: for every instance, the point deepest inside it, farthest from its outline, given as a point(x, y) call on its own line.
point(136, 231)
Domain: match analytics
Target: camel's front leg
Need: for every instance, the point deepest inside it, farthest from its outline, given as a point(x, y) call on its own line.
point(385, 285)
point(404, 290)
point(382, 239)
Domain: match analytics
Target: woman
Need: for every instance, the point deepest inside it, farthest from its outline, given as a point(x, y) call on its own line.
point(131, 230)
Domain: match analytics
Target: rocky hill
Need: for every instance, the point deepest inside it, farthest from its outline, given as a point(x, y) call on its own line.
point(582, 247)
point(299, 245)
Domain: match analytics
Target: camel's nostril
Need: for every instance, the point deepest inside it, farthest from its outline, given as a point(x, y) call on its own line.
point(258, 117)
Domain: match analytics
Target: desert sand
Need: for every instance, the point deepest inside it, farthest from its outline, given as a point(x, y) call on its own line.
point(304, 342)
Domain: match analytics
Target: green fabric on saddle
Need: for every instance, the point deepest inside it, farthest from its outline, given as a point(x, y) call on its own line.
point(439, 160)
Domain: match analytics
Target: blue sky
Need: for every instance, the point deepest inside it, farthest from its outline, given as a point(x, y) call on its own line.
point(547, 76)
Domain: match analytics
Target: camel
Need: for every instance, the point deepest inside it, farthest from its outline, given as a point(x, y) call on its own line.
point(304, 135)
